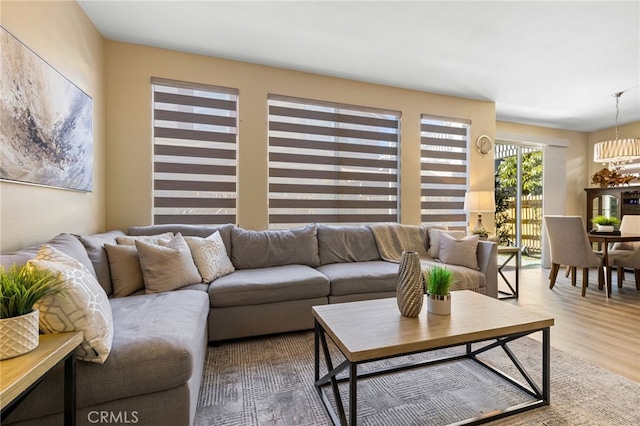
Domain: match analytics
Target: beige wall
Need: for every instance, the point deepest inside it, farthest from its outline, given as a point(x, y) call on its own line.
point(130, 68)
point(117, 76)
point(577, 158)
point(63, 36)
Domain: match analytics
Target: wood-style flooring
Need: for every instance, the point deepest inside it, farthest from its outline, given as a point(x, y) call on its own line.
point(605, 332)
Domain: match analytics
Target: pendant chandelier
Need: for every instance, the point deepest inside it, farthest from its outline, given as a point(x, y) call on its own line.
point(616, 152)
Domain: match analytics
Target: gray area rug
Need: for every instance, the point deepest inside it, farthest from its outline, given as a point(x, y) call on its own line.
point(269, 381)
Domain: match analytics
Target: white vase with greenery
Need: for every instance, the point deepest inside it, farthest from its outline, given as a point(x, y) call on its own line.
point(438, 281)
point(20, 288)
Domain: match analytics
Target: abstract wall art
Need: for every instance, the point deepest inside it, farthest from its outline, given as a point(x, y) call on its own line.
point(46, 122)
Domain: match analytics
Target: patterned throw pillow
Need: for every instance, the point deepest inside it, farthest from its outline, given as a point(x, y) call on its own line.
point(82, 306)
point(210, 255)
point(167, 266)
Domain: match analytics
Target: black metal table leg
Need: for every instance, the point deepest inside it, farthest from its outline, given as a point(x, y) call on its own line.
point(546, 365)
point(321, 339)
point(514, 293)
point(70, 390)
point(316, 351)
point(353, 393)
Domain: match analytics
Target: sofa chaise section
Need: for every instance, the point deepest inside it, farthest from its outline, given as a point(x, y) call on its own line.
point(154, 369)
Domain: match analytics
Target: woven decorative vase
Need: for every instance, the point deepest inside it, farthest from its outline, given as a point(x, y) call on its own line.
point(19, 335)
point(410, 289)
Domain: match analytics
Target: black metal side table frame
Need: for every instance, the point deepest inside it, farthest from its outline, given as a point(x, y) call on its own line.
point(511, 252)
point(24, 373)
point(69, 392)
point(541, 394)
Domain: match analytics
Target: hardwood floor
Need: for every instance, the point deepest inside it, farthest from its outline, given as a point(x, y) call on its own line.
point(605, 332)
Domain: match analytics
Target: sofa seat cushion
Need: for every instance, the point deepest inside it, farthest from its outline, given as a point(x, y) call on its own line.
point(463, 278)
point(268, 285)
point(361, 277)
point(155, 344)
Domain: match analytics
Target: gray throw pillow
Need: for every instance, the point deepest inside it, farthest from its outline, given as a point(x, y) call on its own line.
point(462, 252)
point(167, 266)
point(126, 274)
point(434, 240)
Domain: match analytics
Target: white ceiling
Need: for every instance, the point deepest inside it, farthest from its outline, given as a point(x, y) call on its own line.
point(548, 63)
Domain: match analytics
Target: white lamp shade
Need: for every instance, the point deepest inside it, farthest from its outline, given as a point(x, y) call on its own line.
point(616, 150)
point(480, 201)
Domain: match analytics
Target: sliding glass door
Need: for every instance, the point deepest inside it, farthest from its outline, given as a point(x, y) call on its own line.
point(518, 178)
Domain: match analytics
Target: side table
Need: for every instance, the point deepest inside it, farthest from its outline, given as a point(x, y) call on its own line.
point(20, 375)
point(511, 252)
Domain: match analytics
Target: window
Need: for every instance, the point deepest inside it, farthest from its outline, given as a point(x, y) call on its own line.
point(444, 144)
point(331, 163)
point(194, 153)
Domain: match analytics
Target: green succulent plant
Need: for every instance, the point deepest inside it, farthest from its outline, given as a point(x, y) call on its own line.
point(22, 286)
point(606, 221)
point(438, 280)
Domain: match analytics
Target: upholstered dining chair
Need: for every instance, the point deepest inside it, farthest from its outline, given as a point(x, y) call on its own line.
point(631, 261)
point(570, 246)
point(630, 224)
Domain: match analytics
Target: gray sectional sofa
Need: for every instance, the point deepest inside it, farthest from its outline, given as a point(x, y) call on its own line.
point(155, 366)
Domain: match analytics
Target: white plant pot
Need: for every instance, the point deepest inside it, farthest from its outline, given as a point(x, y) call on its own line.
point(19, 335)
point(604, 228)
point(439, 305)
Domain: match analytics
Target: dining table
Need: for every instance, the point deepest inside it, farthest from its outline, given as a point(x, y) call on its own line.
point(606, 238)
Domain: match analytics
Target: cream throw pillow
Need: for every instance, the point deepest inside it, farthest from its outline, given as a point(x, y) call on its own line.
point(167, 266)
point(124, 265)
point(434, 240)
point(462, 252)
point(83, 305)
point(210, 256)
point(151, 239)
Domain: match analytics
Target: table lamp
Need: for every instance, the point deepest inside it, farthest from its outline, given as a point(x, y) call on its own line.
point(479, 201)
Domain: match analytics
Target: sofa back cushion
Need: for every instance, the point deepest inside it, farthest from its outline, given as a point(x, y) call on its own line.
point(202, 231)
point(261, 249)
point(339, 244)
point(66, 243)
point(94, 245)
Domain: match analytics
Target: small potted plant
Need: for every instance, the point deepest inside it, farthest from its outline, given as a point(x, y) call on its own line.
point(606, 224)
point(482, 233)
point(438, 281)
point(20, 288)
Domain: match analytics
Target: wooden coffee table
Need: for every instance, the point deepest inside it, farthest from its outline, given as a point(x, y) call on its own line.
point(374, 329)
